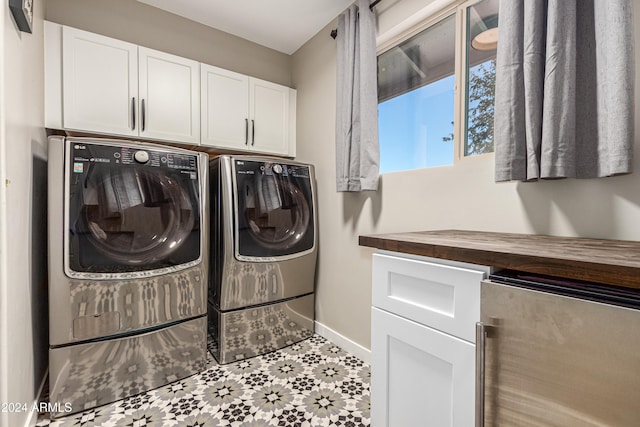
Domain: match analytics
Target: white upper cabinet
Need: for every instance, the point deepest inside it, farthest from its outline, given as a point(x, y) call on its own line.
point(269, 108)
point(169, 96)
point(114, 87)
point(100, 83)
point(224, 108)
point(245, 113)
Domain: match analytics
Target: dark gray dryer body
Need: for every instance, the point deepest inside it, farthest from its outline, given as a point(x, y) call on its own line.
point(263, 258)
point(128, 266)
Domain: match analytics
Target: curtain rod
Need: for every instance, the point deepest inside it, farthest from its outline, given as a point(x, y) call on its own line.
point(373, 4)
point(334, 33)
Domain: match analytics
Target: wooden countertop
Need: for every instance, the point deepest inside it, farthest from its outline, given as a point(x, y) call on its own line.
point(614, 262)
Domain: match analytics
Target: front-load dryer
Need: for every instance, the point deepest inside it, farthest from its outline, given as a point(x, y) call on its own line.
point(128, 266)
point(263, 259)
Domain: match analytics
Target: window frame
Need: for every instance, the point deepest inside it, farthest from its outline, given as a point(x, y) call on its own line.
point(427, 17)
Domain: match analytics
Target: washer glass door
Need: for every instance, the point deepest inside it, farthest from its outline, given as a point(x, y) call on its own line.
point(130, 216)
point(274, 212)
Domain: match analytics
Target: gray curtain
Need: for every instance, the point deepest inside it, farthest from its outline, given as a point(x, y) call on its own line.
point(564, 89)
point(357, 150)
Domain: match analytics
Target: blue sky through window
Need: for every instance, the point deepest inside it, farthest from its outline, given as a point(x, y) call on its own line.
point(411, 127)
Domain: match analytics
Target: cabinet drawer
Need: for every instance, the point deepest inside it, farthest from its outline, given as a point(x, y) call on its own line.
point(443, 297)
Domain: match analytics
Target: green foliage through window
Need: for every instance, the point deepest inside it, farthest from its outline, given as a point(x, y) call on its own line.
point(480, 105)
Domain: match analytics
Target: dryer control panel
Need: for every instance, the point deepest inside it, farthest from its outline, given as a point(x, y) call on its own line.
point(83, 154)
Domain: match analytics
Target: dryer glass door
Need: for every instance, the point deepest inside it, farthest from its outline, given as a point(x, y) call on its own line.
point(274, 214)
point(130, 216)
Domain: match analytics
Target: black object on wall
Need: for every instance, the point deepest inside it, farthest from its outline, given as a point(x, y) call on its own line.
point(22, 11)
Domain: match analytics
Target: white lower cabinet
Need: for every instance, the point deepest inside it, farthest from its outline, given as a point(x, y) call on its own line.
point(419, 376)
point(423, 341)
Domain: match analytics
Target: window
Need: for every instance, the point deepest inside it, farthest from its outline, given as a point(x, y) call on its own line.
point(416, 100)
point(480, 76)
point(419, 124)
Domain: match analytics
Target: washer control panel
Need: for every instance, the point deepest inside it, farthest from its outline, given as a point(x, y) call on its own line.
point(253, 167)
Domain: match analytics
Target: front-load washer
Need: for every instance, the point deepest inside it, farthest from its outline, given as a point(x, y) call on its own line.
point(128, 266)
point(263, 259)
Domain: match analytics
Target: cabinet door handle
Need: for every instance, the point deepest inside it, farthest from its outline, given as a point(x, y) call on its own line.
point(142, 113)
point(133, 113)
point(246, 131)
point(253, 132)
point(481, 338)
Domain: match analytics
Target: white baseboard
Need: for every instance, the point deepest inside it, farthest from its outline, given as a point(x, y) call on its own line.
point(343, 342)
point(33, 415)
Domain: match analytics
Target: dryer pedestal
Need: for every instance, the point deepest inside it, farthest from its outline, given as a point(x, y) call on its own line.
point(249, 332)
point(96, 373)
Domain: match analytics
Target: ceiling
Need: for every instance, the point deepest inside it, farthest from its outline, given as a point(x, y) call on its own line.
point(283, 25)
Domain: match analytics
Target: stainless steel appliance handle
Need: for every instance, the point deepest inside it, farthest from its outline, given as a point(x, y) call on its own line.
point(253, 132)
point(481, 337)
point(133, 113)
point(246, 131)
point(142, 113)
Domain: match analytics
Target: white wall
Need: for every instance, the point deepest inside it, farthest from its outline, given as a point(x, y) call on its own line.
point(23, 287)
point(460, 197)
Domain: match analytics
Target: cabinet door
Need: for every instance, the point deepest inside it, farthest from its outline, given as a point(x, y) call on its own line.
point(269, 111)
point(419, 376)
point(100, 83)
point(169, 97)
point(224, 108)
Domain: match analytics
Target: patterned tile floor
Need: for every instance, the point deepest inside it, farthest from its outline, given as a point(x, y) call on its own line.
point(308, 384)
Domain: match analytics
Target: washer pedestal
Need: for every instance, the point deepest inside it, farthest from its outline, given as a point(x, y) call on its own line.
point(249, 332)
